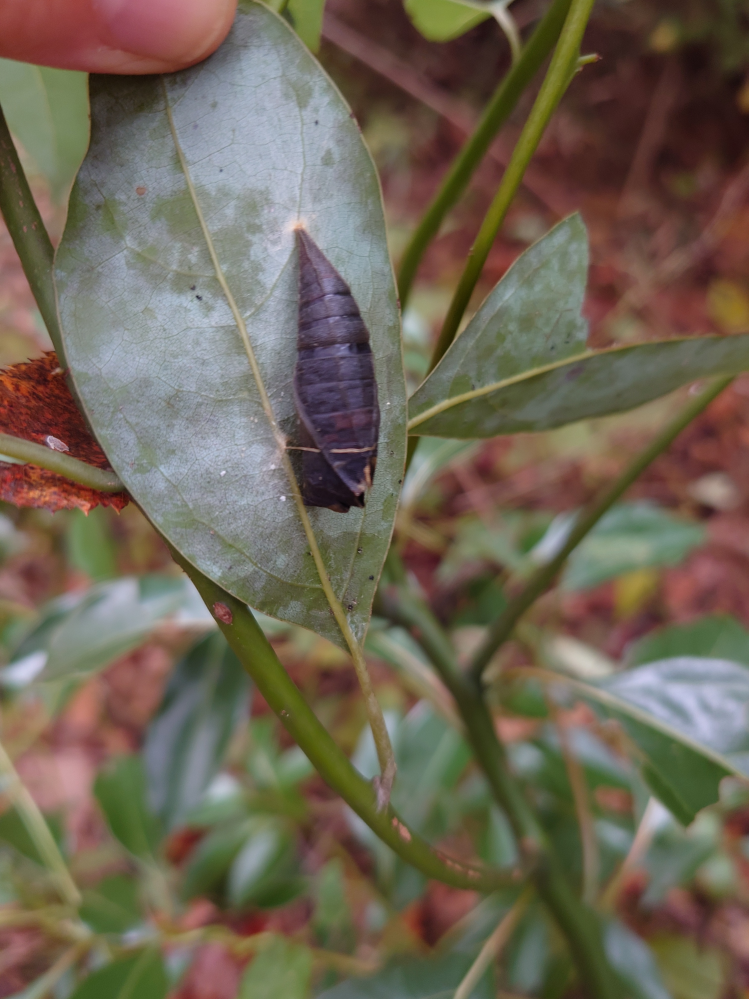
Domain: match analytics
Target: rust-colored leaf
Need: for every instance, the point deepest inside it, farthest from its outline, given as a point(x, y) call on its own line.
point(36, 404)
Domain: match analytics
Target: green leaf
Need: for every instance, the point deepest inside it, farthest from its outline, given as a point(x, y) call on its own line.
point(47, 111)
point(142, 976)
point(306, 16)
point(281, 970)
point(13, 831)
point(90, 546)
point(631, 536)
point(210, 862)
point(441, 20)
point(414, 979)
point(717, 637)
point(212, 168)
point(530, 319)
point(120, 790)
point(80, 634)
point(264, 868)
point(634, 961)
point(186, 741)
point(112, 906)
point(688, 718)
point(690, 969)
point(485, 385)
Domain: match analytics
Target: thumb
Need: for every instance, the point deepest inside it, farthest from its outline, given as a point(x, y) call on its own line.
point(113, 36)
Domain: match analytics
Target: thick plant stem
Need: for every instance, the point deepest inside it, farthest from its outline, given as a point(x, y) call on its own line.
point(576, 921)
point(256, 654)
point(545, 575)
point(28, 233)
point(555, 83)
point(60, 463)
point(497, 112)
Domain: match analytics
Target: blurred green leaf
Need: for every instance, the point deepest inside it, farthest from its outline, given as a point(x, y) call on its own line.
point(431, 457)
point(280, 971)
point(332, 921)
point(195, 244)
point(112, 906)
point(14, 832)
point(629, 537)
point(210, 862)
point(414, 979)
point(718, 637)
point(120, 790)
point(80, 634)
point(89, 544)
point(634, 961)
point(47, 111)
point(441, 20)
point(185, 743)
point(306, 16)
point(690, 969)
point(139, 977)
point(265, 870)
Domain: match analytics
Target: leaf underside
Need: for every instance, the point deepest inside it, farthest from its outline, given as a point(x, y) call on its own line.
point(255, 140)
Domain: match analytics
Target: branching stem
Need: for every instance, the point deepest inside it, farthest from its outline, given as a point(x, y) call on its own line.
point(257, 656)
point(545, 575)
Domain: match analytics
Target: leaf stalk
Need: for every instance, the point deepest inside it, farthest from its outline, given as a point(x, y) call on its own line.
point(257, 656)
point(30, 237)
point(545, 575)
point(552, 89)
point(60, 463)
point(498, 110)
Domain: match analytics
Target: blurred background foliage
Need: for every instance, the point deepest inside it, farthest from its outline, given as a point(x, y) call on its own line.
point(212, 861)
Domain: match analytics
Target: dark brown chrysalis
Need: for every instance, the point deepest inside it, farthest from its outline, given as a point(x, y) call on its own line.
point(334, 387)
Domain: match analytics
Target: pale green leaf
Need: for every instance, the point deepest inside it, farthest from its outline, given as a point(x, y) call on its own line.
point(281, 970)
point(307, 18)
point(186, 741)
point(181, 232)
point(141, 976)
point(441, 20)
point(47, 111)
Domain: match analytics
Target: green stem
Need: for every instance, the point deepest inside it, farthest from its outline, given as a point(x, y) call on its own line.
point(555, 83)
point(257, 656)
point(545, 575)
point(28, 811)
point(576, 921)
point(60, 463)
point(497, 112)
point(30, 238)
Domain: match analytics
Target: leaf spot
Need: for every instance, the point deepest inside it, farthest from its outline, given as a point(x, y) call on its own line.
point(222, 613)
point(141, 190)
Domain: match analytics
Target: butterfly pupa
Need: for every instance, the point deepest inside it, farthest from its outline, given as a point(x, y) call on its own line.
point(334, 387)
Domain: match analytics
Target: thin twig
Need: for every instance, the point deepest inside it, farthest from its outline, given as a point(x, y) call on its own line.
point(640, 844)
point(37, 828)
point(581, 798)
point(545, 575)
point(26, 228)
point(558, 77)
point(493, 946)
point(60, 463)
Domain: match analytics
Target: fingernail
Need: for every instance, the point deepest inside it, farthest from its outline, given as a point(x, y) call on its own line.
point(179, 30)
